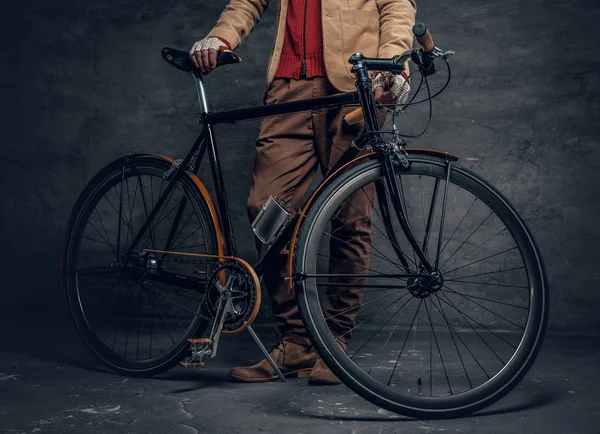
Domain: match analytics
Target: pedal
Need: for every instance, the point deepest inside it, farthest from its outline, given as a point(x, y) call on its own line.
point(199, 348)
point(201, 341)
point(191, 364)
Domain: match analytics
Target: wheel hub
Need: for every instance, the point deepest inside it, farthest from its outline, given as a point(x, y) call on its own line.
point(136, 266)
point(423, 287)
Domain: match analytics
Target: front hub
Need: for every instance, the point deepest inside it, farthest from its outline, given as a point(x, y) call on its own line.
point(423, 287)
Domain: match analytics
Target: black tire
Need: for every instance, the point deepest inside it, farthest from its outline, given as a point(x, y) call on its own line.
point(346, 366)
point(87, 294)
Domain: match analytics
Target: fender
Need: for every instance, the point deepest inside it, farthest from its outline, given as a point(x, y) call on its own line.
point(331, 177)
point(199, 185)
point(212, 209)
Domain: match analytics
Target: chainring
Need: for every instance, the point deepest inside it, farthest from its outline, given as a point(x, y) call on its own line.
point(244, 305)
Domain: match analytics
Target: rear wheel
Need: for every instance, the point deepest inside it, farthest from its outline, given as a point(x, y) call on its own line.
point(134, 323)
point(425, 344)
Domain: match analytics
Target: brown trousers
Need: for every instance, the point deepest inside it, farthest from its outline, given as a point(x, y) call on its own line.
point(288, 150)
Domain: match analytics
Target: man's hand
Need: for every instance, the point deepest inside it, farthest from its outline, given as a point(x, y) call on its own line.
point(390, 89)
point(204, 53)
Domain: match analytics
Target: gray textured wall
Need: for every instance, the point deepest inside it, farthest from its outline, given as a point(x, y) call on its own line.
point(84, 83)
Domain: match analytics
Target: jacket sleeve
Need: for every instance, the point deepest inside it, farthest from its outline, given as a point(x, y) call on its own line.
point(237, 20)
point(396, 19)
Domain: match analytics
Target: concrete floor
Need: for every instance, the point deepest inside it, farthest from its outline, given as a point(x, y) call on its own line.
point(50, 383)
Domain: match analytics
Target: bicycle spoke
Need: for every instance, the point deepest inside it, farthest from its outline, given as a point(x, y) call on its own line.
point(96, 270)
point(192, 246)
point(425, 247)
point(363, 304)
point(130, 207)
point(122, 217)
point(384, 324)
point(439, 353)
point(392, 242)
point(98, 241)
point(471, 251)
point(482, 306)
point(375, 314)
point(487, 284)
point(489, 299)
point(107, 238)
point(107, 242)
point(164, 325)
point(450, 330)
point(152, 319)
point(458, 225)
point(372, 224)
point(182, 228)
point(178, 246)
point(152, 241)
point(467, 239)
point(467, 318)
point(478, 261)
point(364, 251)
point(404, 343)
point(159, 219)
point(443, 216)
point(391, 333)
point(137, 345)
point(179, 294)
point(388, 195)
point(348, 262)
point(175, 316)
point(490, 272)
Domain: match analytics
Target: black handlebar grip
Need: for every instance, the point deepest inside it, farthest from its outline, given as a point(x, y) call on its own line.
point(423, 36)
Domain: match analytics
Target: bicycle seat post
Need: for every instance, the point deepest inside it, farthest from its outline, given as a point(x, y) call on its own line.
point(202, 100)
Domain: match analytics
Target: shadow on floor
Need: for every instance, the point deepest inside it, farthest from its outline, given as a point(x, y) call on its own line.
point(535, 402)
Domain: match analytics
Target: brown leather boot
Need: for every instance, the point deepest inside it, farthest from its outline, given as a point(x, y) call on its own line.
point(291, 358)
point(321, 375)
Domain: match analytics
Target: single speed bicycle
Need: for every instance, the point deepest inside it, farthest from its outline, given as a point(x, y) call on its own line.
point(452, 302)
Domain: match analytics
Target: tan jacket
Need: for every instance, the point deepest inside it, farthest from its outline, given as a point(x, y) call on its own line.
point(376, 28)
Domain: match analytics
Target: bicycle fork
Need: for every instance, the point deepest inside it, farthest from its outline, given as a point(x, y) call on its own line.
point(399, 208)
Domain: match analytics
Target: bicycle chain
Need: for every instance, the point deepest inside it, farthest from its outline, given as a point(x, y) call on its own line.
point(185, 308)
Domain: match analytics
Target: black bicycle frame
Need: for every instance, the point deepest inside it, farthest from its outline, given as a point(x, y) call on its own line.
point(206, 142)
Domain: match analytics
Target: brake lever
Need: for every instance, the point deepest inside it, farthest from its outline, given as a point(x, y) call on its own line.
point(444, 55)
point(425, 59)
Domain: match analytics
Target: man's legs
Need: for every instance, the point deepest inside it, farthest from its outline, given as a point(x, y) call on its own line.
point(284, 167)
point(350, 240)
point(288, 150)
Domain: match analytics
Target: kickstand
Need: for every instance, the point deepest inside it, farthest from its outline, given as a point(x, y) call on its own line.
point(267, 355)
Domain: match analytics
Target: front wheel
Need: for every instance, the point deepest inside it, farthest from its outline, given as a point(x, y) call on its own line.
point(427, 344)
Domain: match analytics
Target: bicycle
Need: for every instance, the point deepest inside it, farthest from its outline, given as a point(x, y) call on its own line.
point(167, 284)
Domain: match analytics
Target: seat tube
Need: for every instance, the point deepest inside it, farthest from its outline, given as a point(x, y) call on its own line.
point(364, 87)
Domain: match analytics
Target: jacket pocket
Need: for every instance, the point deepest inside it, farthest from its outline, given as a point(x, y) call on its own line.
point(360, 33)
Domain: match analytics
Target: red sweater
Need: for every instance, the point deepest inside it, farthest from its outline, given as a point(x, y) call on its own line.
point(302, 52)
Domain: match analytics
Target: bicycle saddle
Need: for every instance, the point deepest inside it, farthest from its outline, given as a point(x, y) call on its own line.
point(181, 59)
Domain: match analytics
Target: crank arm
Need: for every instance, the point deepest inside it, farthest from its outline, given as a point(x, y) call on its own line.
point(223, 309)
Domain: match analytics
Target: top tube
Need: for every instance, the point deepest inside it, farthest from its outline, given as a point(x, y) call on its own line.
point(352, 98)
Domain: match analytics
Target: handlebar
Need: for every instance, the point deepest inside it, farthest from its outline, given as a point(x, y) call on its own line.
point(396, 63)
point(423, 36)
